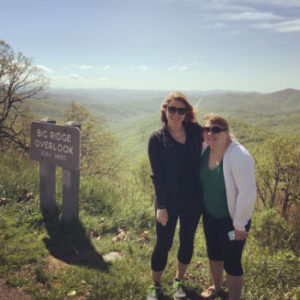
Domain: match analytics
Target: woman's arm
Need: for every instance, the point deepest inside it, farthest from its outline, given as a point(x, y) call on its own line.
point(244, 179)
point(157, 170)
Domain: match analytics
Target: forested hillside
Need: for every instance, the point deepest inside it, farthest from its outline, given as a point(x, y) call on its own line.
point(133, 115)
point(277, 112)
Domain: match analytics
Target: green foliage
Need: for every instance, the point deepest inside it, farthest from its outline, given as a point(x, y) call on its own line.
point(133, 134)
point(269, 276)
point(32, 216)
point(141, 176)
point(19, 81)
point(18, 175)
point(136, 205)
point(271, 231)
point(98, 197)
point(98, 146)
point(52, 109)
point(277, 112)
point(3, 228)
point(111, 200)
point(40, 275)
point(278, 173)
point(287, 256)
point(18, 239)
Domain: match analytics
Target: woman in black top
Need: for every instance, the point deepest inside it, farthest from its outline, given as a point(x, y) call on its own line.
point(174, 153)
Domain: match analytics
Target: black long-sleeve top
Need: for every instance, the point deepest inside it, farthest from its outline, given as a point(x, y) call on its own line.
point(169, 163)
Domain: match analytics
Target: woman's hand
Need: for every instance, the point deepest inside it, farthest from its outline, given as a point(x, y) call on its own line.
point(240, 235)
point(162, 216)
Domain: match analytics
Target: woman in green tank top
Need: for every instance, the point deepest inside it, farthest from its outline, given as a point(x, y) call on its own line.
point(229, 193)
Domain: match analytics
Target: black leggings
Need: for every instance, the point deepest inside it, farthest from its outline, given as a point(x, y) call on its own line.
point(219, 247)
point(189, 219)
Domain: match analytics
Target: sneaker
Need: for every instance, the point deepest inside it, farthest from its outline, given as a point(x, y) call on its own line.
point(180, 290)
point(154, 292)
point(210, 293)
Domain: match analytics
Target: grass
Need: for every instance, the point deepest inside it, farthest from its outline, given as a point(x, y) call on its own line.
point(77, 270)
point(49, 260)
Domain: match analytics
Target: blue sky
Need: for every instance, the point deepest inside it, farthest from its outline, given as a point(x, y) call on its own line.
point(245, 45)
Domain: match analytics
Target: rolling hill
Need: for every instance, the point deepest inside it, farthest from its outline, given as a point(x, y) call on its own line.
point(133, 115)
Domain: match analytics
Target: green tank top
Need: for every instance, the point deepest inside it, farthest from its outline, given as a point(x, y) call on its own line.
point(213, 187)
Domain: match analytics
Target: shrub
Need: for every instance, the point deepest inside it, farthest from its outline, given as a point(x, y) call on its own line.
point(18, 175)
point(97, 196)
point(271, 231)
point(294, 222)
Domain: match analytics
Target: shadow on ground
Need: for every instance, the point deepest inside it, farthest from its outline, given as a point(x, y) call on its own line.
point(71, 244)
point(193, 295)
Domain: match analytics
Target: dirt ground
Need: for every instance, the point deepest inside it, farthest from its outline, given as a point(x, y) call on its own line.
point(7, 293)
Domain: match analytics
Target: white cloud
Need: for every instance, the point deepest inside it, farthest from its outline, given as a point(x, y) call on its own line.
point(228, 7)
point(43, 68)
point(285, 3)
point(102, 79)
point(250, 16)
point(287, 26)
point(86, 67)
point(237, 4)
point(106, 68)
point(212, 25)
point(75, 77)
point(186, 67)
point(183, 68)
point(140, 67)
point(143, 68)
point(215, 20)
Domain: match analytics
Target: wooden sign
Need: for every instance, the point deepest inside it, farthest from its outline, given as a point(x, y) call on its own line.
point(57, 145)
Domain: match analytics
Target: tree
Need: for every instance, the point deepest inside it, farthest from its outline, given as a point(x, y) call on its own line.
point(19, 81)
point(98, 146)
point(278, 173)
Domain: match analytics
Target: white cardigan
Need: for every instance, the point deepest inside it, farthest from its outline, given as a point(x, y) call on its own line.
point(239, 176)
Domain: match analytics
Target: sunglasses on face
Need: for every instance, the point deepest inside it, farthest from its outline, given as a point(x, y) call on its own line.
point(215, 129)
point(173, 109)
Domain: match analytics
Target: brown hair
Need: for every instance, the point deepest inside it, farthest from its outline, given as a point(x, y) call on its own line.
point(190, 115)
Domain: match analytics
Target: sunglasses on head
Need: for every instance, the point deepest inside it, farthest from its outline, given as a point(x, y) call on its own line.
point(215, 129)
point(173, 109)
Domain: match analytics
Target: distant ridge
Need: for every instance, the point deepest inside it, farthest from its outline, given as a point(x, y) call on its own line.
point(133, 114)
point(287, 100)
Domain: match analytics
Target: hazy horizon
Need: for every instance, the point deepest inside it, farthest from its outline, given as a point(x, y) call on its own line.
point(165, 90)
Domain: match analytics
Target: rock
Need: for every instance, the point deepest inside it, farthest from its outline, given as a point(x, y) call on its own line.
point(112, 256)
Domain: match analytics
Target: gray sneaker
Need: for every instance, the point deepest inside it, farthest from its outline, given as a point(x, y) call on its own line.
point(180, 290)
point(154, 292)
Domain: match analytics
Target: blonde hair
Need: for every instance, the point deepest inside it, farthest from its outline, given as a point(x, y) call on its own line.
point(190, 115)
point(218, 120)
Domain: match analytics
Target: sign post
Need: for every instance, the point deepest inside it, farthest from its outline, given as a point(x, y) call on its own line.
point(57, 145)
point(71, 180)
point(47, 181)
